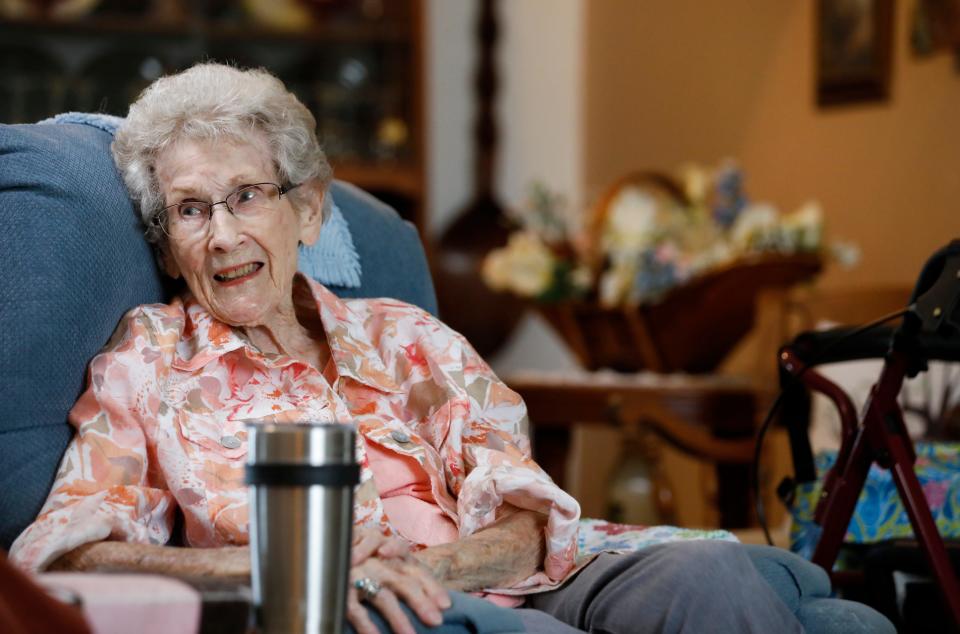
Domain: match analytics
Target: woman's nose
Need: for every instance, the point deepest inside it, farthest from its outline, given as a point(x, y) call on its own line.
point(225, 234)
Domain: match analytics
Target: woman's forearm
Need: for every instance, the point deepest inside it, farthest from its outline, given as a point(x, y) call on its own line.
point(498, 556)
point(230, 561)
point(507, 552)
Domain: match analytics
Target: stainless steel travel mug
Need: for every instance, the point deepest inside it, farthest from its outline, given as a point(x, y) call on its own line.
point(301, 479)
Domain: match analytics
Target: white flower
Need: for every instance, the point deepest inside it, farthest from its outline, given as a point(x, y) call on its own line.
point(525, 266)
point(804, 227)
point(696, 182)
point(754, 226)
point(631, 222)
point(496, 270)
point(616, 282)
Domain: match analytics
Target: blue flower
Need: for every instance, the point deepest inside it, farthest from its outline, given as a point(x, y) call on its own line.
point(729, 198)
point(655, 276)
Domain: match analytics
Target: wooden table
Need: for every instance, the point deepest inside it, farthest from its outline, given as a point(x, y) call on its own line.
point(711, 417)
point(226, 604)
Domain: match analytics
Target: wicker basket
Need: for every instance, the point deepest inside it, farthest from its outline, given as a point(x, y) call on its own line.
point(691, 329)
point(694, 326)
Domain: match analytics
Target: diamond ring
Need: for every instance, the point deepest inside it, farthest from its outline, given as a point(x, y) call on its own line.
point(367, 587)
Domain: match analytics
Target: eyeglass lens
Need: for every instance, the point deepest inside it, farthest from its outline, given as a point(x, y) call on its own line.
point(192, 217)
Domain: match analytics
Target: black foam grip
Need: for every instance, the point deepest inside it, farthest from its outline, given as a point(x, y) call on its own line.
point(302, 475)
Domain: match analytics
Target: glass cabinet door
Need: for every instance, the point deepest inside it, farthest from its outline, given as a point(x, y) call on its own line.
point(355, 63)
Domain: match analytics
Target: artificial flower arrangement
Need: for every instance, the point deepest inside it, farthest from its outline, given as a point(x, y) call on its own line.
point(663, 273)
point(648, 238)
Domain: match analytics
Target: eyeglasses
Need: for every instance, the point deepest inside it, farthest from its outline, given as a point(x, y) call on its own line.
point(192, 218)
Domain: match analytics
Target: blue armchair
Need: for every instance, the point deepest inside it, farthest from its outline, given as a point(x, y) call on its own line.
point(74, 261)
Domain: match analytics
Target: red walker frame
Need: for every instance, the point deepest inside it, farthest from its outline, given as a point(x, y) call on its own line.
point(882, 438)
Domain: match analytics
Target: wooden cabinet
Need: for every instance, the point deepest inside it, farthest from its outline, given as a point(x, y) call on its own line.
point(357, 64)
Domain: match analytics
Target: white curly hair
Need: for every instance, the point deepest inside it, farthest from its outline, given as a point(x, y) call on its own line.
point(210, 102)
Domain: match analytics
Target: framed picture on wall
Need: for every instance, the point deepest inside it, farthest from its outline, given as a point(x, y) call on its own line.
point(854, 48)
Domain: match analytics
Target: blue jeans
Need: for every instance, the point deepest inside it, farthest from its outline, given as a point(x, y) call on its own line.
point(701, 586)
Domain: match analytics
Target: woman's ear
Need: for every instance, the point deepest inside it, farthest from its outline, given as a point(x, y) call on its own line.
point(310, 207)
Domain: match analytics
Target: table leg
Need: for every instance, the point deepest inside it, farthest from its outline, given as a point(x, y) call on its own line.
point(733, 500)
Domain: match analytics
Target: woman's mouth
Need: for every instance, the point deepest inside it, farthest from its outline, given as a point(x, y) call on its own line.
point(238, 274)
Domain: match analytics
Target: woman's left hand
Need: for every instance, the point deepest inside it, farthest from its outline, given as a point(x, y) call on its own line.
point(388, 562)
point(369, 543)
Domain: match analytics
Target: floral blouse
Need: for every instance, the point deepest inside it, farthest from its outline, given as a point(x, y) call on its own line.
point(161, 426)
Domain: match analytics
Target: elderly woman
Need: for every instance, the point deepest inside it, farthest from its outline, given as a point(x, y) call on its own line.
point(230, 179)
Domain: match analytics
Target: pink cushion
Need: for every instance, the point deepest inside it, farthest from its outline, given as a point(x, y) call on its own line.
point(123, 603)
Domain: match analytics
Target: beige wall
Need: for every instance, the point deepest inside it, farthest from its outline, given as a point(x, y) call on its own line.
point(669, 82)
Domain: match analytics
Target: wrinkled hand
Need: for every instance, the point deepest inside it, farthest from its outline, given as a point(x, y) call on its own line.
point(389, 562)
point(370, 543)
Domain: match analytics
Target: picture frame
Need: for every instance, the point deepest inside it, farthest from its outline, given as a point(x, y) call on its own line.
point(854, 51)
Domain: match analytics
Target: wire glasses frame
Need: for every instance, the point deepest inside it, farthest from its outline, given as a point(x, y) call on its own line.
point(244, 202)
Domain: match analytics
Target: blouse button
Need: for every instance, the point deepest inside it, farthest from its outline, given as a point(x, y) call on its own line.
point(230, 442)
point(400, 437)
